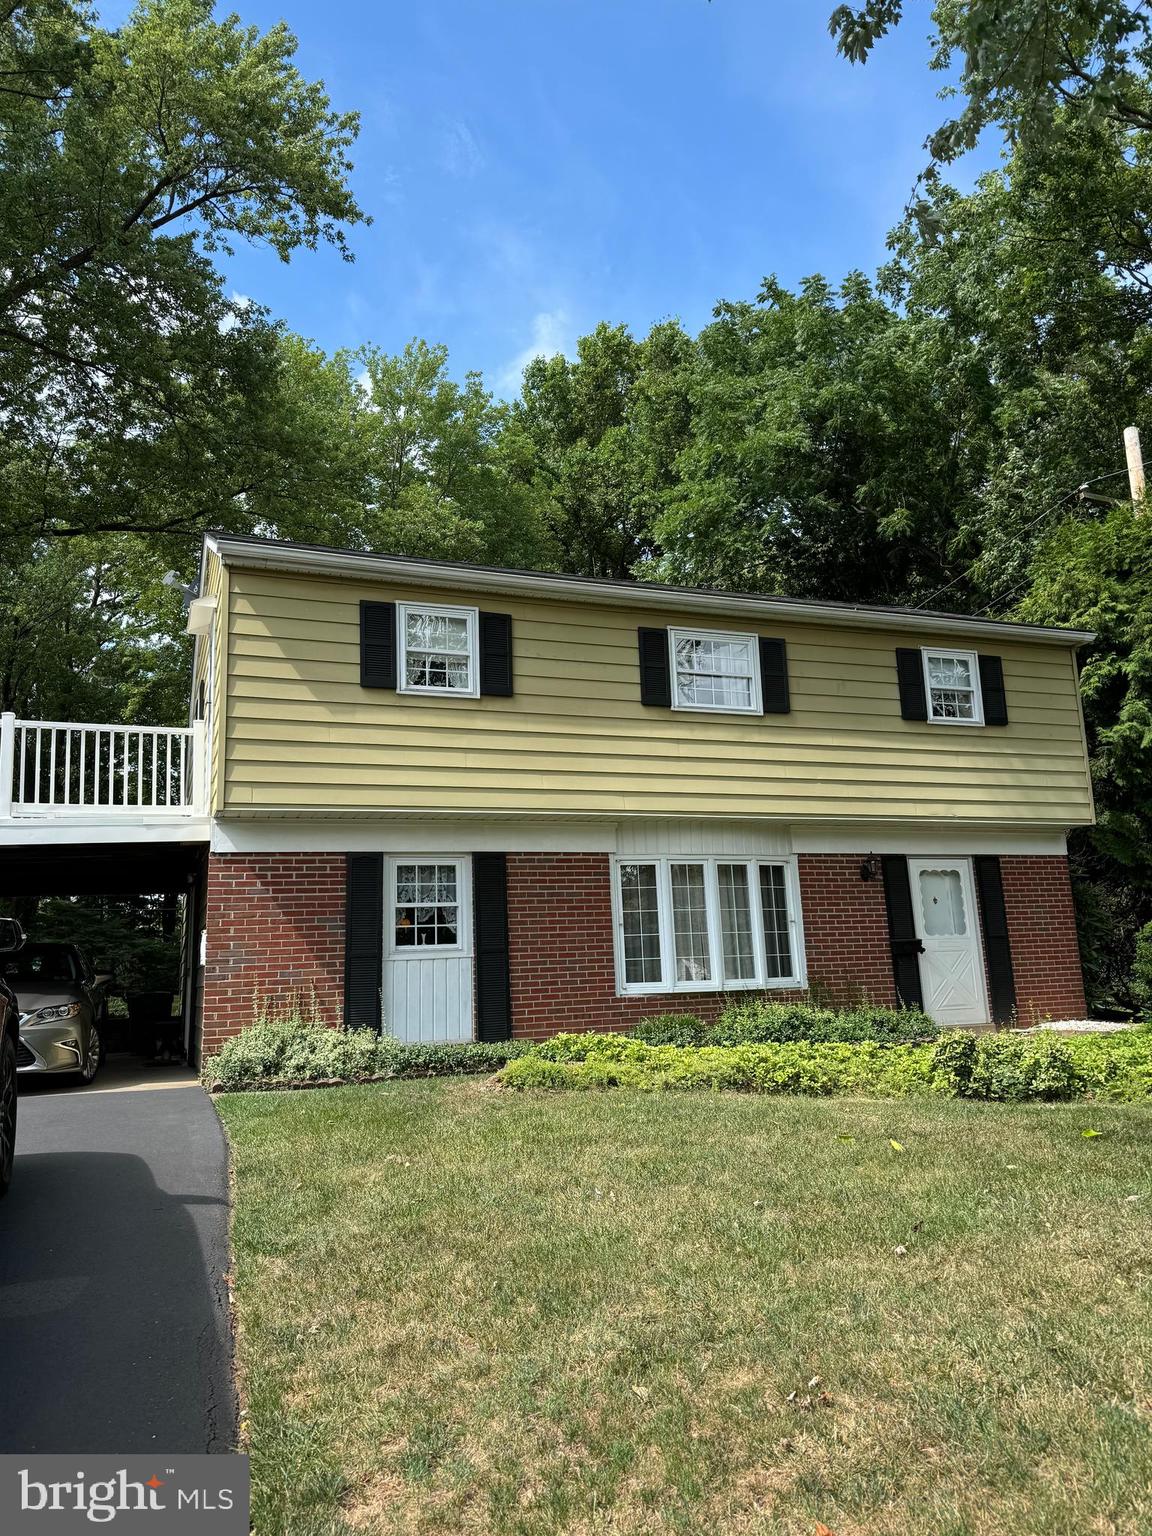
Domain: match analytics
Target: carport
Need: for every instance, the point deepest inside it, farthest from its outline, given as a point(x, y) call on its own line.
point(173, 869)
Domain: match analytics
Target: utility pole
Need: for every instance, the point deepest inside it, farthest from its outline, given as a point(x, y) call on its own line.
point(1135, 463)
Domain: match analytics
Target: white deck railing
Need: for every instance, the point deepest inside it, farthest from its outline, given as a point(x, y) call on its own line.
point(61, 768)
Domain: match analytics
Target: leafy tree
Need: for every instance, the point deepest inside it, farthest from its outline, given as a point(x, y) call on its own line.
point(1097, 574)
point(127, 380)
point(436, 483)
point(1023, 64)
point(1031, 275)
point(137, 936)
point(596, 440)
point(829, 448)
point(89, 631)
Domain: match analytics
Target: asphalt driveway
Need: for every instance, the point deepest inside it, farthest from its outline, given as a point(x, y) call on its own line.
point(114, 1333)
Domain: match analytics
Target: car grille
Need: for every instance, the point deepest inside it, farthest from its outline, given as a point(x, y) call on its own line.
point(24, 1057)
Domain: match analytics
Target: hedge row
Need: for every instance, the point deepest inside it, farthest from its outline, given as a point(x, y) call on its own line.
point(292, 1049)
point(1001, 1067)
point(1004, 1067)
point(755, 1022)
point(286, 1051)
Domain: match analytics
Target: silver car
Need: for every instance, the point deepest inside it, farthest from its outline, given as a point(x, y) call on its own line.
point(62, 1008)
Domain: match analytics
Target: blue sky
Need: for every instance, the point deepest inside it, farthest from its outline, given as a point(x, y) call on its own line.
point(535, 166)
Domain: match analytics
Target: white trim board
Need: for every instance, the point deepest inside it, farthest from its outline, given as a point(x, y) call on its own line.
point(70, 831)
point(930, 841)
point(630, 838)
point(401, 834)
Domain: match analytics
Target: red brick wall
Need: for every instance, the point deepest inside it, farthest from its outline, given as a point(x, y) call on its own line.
point(1042, 934)
point(845, 929)
point(563, 976)
point(275, 933)
point(561, 956)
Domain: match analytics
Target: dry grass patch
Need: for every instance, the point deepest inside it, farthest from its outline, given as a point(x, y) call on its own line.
point(514, 1315)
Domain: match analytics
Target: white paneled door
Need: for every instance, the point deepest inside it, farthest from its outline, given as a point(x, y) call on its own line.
point(428, 948)
point(948, 926)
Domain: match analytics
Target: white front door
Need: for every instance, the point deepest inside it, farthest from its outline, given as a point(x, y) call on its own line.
point(948, 926)
point(428, 948)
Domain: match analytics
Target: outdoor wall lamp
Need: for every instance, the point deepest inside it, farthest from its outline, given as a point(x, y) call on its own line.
point(870, 867)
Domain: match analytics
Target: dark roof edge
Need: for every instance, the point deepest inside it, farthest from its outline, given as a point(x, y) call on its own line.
point(322, 560)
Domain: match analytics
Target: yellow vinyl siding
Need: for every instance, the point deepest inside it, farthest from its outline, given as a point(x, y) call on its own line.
point(302, 735)
point(215, 585)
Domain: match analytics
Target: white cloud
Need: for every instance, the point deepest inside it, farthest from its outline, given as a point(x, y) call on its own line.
point(239, 301)
point(551, 333)
point(460, 155)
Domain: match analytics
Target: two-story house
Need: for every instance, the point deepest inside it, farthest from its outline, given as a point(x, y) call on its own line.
point(455, 802)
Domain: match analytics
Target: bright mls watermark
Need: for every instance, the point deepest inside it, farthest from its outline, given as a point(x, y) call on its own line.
point(142, 1494)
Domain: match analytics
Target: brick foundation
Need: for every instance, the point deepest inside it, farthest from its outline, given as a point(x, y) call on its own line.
point(275, 934)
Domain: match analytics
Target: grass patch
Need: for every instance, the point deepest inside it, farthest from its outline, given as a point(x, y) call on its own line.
point(468, 1310)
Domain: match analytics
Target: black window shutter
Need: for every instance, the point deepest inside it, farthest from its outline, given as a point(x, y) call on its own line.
point(363, 940)
point(997, 949)
point(496, 654)
point(905, 946)
point(655, 676)
point(774, 677)
point(490, 909)
point(910, 675)
point(377, 645)
point(992, 690)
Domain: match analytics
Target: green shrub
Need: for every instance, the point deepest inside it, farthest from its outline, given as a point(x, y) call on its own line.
point(997, 1067)
point(290, 1050)
point(797, 1066)
point(1115, 1066)
point(1011, 1068)
point(953, 1058)
point(672, 1029)
point(757, 1022)
point(1142, 968)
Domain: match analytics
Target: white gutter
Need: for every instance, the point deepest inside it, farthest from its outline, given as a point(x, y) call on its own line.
point(312, 560)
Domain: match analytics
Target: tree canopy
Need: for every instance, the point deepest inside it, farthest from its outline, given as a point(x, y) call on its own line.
point(1026, 67)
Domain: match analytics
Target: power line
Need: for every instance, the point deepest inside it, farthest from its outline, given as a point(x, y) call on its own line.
point(1055, 507)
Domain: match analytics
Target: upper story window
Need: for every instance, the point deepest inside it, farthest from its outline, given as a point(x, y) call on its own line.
point(715, 670)
point(952, 681)
point(438, 650)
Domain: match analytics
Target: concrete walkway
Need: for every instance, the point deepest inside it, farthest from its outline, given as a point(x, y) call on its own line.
point(114, 1333)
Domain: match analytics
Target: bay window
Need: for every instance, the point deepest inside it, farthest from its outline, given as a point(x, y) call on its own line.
point(707, 924)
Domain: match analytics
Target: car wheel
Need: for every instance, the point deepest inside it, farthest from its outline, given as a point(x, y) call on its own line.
point(92, 1056)
point(7, 1112)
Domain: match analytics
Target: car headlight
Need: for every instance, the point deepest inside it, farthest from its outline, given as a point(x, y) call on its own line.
point(56, 1011)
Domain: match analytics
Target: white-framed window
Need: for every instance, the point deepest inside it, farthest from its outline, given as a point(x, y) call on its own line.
point(715, 925)
point(952, 687)
point(429, 913)
point(438, 650)
point(715, 670)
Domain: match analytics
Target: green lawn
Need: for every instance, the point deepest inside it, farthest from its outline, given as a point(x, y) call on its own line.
point(469, 1310)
